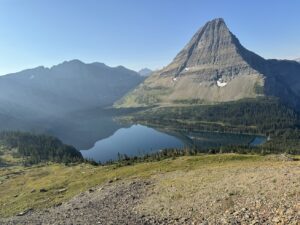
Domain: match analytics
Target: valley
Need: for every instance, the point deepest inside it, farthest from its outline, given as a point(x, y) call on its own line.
point(212, 137)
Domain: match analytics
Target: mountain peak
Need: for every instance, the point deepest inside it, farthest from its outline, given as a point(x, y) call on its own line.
point(218, 21)
point(214, 67)
point(211, 49)
point(217, 25)
point(73, 61)
point(145, 72)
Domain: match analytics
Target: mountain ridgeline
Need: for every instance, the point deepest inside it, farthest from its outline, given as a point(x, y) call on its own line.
point(145, 72)
point(71, 86)
point(214, 67)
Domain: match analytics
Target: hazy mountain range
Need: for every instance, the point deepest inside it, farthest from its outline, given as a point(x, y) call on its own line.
point(67, 87)
point(145, 72)
point(214, 67)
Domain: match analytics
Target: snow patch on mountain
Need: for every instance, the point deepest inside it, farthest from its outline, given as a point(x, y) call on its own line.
point(220, 83)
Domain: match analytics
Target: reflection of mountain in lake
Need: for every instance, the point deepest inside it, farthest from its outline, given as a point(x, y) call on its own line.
point(204, 140)
point(80, 129)
point(97, 127)
point(134, 141)
point(138, 140)
point(207, 139)
point(83, 129)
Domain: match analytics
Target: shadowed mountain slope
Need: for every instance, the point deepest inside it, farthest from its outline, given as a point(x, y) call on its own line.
point(64, 88)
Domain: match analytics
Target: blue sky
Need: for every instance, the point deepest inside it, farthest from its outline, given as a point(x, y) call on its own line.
point(136, 33)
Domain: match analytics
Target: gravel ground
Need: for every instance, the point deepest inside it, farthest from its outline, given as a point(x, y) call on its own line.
point(268, 194)
point(112, 203)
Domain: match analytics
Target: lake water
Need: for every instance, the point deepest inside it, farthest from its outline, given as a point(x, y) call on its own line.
point(101, 138)
point(132, 141)
point(138, 140)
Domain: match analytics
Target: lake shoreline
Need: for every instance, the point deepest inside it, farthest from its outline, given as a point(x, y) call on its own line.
point(138, 140)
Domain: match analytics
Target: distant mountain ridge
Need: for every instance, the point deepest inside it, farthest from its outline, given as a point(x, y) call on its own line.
point(66, 87)
point(214, 67)
point(145, 72)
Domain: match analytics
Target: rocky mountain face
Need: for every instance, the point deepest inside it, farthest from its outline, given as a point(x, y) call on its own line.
point(145, 72)
point(67, 87)
point(214, 67)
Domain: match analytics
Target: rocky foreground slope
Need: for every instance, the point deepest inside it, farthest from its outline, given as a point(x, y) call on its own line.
point(222, 189)
point(214, 67)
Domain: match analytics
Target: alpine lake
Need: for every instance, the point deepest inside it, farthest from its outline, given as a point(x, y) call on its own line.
point(100, 137)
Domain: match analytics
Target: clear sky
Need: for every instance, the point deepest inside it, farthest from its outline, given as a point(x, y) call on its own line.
point(136, 33)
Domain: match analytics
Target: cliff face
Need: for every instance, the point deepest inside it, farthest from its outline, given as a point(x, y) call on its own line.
point(212, 53)
point(214, 67)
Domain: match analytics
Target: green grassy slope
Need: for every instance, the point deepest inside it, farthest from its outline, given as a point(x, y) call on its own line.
point(20, 186)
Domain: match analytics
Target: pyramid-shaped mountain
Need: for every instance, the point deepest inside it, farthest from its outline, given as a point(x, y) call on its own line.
point(214, 67)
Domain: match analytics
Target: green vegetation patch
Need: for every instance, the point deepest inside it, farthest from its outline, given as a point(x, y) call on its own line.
point(43, 186)
point(33, 148)
point(262, 116)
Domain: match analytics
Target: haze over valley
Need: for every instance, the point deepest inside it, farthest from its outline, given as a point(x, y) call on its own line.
point(211, 137)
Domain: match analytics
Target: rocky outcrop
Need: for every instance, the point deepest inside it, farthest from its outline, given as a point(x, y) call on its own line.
point(213, 53)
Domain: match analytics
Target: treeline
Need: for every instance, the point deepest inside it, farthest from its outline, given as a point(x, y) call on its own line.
point(124, 160)
point(35, 148)
point(265, 115)
point(285, 140)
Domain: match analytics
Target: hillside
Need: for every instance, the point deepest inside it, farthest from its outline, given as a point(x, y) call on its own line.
point(214, 67)
point(27, 149)
point(70, 86)
point(222, 189)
